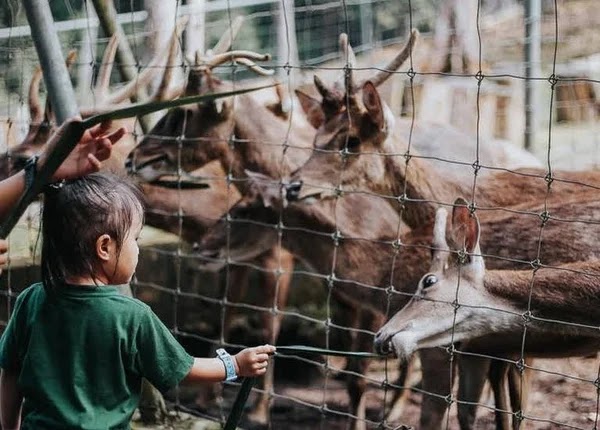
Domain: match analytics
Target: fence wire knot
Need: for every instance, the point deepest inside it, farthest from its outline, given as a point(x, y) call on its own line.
point(518, 415)
point(411, 73)
point(336, 237)
point(553, 80)
point(545, 217)
point(535, 264)
point(520, 364)
point(462, 257)
point(479, 76)
point(526, 317)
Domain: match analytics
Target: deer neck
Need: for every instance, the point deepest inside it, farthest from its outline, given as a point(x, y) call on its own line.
point(570, 292)
point(266, 143)
point(415, 179)
point(355, 266)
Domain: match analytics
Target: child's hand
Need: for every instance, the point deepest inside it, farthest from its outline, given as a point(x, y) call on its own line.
point(253, 361)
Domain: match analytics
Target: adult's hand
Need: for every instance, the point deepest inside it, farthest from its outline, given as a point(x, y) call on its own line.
point(3, 254)
point(94, 147)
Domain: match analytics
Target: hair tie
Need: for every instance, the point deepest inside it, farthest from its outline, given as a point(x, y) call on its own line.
point(55, 186)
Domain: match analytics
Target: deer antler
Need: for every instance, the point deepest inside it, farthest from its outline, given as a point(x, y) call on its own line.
point(226, 40)
point(350, 58)
point(219, 59)
point(142, 79)
point(108, 59)
point(381, 76)
point(35, 108)
point(255, 67)
point(162, 92)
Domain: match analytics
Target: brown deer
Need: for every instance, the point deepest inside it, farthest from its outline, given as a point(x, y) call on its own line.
point(309, 233)
point(363, 148)
point(459, 301)
point(364, 269)
point(230, 136)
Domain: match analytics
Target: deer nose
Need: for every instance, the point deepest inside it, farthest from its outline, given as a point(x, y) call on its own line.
point(207, 253)
point(383, 344)
point(292, 190)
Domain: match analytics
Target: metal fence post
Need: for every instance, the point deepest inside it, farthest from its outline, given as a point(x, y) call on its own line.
point(47, 45)
point(532, 67)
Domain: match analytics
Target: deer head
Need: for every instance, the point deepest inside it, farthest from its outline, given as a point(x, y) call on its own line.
point(449, 299)
point(191, 136)
point(351, 132)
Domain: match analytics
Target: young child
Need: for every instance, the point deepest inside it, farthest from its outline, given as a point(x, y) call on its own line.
point(75, 349)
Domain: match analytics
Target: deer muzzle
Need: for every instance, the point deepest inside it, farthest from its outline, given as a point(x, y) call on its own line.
point(383, 344)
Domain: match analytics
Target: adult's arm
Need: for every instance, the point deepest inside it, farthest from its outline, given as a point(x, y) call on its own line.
point(94, 147)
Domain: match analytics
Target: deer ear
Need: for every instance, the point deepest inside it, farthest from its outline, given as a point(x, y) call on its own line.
point(465, 226)
point(373, 104)
point(312, 108)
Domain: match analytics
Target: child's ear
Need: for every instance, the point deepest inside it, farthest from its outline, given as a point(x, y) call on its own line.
point(103, 247)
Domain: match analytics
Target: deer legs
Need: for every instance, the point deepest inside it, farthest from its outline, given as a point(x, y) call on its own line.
point(437, 381)
point(356, 382)
point(516, 394)
point(278, 264)
point(407, 368)
point(473, 373)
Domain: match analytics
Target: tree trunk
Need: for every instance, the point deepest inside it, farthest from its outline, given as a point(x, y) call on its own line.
point(455, 43)
point(195, 39)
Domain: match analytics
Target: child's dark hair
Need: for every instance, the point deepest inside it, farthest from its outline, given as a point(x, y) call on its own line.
point(77, 213)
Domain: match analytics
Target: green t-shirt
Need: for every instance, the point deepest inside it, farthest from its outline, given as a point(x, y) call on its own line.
point(81, 354)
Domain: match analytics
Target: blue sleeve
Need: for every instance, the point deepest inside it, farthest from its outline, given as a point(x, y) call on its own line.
point(159, 357)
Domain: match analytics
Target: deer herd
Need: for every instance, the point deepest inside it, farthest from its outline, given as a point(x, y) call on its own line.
point(361, 198)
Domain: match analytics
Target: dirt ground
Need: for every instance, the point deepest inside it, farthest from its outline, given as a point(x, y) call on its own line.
point(564, 395)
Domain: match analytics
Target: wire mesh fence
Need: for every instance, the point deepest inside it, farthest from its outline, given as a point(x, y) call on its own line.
point(318, 223)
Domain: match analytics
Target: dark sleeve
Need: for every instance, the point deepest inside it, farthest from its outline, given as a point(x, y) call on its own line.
point(159, 357)
point(9, 344)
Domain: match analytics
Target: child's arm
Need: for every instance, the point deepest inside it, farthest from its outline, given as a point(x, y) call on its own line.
point(248, 362)
point(10, 400)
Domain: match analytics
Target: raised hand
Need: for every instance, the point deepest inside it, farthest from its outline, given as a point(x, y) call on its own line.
point(93, 148)
point(3, 253)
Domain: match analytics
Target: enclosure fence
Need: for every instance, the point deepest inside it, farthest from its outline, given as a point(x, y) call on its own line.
point(309, 271)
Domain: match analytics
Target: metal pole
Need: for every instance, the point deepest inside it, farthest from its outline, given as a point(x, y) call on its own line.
point(533, 13)
point(287, 45)
point(47, 45)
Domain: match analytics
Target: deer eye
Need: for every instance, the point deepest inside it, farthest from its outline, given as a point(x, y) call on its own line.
point(429, 280)
point(353, 142)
